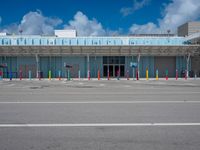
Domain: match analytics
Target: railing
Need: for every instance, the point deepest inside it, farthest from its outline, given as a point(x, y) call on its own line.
point(88, 41)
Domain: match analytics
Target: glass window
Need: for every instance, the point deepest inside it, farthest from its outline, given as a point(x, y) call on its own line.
point(105, 60)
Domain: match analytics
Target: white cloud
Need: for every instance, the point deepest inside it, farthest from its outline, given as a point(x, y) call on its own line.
point(142, 29)
point(85, 26)
point(34, 23)
point(136, 5)
point(175, 13)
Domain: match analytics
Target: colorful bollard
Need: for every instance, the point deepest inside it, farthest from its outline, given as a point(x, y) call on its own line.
point(79, 74)
point(137, 74)
point(108, 75)
point(98, 74)
point(186, 73)
point(20, 74)
point(29, 74)
point(88, 74)
point(59, 75)
point(1, 75)
point(39, 75)
point(166, 73)
point(176, 74)
point(156, 74)
point(118, 74)
point(68, 74)
point(10, 75)
point(147, 74)
point(127, 74)
point(49, 74)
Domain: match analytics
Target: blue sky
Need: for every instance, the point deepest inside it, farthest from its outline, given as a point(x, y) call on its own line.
point(96, 17)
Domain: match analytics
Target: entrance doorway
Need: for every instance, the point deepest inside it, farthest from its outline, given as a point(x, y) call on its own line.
point(113, 70)
point(113, 64)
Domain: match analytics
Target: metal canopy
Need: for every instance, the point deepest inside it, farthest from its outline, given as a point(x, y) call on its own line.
point(182, 50)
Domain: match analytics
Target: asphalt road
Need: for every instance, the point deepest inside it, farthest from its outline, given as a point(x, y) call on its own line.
point(100, 115)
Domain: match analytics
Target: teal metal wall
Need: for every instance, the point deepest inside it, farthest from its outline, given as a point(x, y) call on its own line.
point(145, 62)
point(56, 64)
point(95, 64)
point(181, 64)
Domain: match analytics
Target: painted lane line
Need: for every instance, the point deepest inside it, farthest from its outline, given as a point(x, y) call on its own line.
point(98, 102)
point(112, 94)
point(99, 125)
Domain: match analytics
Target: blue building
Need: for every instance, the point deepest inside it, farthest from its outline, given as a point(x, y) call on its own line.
point(87, 55)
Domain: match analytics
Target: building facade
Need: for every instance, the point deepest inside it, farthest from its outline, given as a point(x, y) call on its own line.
point(41, 55)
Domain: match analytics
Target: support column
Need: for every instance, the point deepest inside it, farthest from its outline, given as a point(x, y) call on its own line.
point(88, 66)
point(187, 65)
point(37, 66)
point(138, 65)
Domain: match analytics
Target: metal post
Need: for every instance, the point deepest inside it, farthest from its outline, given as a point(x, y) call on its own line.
point(108, 74)
point(10, 74)
point(29, 74)
point(20, 74)
point(68, 74)
point(49, 74)
point(127, 74)
point(156, 74)
point(176, 74)
point(98, 74)
point(147, 74)
point(79, 74)
point(166, 74)
point(1, 75)
point(59, 75)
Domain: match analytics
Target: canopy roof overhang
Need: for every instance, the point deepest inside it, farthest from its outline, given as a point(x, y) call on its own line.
point(178, 50)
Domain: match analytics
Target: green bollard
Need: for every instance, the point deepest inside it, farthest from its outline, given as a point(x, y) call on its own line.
point(68, 74)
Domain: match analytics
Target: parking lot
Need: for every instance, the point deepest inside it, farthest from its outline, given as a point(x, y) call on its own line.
point(100, 115)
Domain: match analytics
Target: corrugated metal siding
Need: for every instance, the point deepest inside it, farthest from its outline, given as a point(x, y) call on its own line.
point(195, 62)
point(77, 62)
point(95, 64)
point(163, 63)
point(128, 60)
point(181, 64)
point(25, 64)
point(146, 62)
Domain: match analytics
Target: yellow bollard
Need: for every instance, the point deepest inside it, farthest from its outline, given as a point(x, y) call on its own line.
point(147, 74)
point(156, 74)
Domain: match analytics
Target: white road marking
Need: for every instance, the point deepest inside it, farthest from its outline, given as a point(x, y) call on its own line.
point(99, 125)
point(97, 102)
